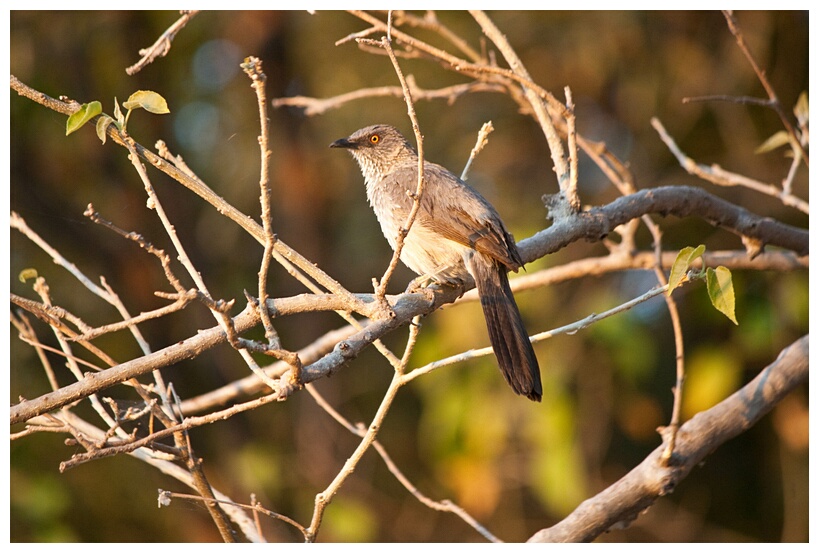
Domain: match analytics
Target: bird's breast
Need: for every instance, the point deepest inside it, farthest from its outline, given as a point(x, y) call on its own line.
point(425, 251)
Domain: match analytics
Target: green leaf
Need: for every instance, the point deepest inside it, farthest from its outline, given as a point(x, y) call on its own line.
point(147, 100)
point(102, 126)
point(26, 274)
point(82, 116)
point(780, 138)
point(684, 259)
point(721, 291)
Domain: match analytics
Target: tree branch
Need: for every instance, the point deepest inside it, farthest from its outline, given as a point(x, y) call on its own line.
point(699, 437)
point(682, 201)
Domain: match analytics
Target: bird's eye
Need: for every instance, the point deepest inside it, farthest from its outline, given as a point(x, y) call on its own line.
point(375, 139)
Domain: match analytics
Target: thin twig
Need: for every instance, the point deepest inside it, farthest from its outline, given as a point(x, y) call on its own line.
point(75, 424)
point(162, 46)
point(318, 106)
point(670, 432)
point(164, 259)
point(733, 25)
point(536, 102)
point(539, 337)
point(128, 444)
point(255, 507)
point(381, 287)
point(717, 175)
point(17, 222)
point(444, 505)
point(253, 68)
point(460, 65)
point(430, 22)
point(480, 143)
point(747, 100)
point(29, 336)
point(571, 138)
point(324, 498)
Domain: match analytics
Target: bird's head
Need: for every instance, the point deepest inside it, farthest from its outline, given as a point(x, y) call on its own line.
point(378, 149)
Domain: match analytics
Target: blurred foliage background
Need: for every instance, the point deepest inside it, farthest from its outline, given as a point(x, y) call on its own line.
point(457, 433)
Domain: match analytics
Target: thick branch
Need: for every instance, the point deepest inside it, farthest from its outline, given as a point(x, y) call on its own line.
point(697, 438)
point(405, 308)
point(682, 201)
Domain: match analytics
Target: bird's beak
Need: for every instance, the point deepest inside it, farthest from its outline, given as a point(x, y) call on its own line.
point(343, 143)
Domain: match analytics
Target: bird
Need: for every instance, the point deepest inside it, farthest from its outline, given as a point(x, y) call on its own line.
point(456, 234)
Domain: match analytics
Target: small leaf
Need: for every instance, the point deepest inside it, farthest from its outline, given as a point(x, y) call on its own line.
point(686, 256)
point(148, 100)
point(102, 126)
point(721, 291)
point(82, 116)
point(800, 110)
point(779, 138)
point(27, 274)
point(118, 114)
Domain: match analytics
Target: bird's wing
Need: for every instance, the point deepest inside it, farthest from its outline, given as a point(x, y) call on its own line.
point(457, 212)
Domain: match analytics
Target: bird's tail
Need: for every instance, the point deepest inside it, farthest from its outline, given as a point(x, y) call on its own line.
point(508, 336)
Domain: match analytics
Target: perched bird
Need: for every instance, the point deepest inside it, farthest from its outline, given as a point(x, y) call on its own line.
point(456, 234)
